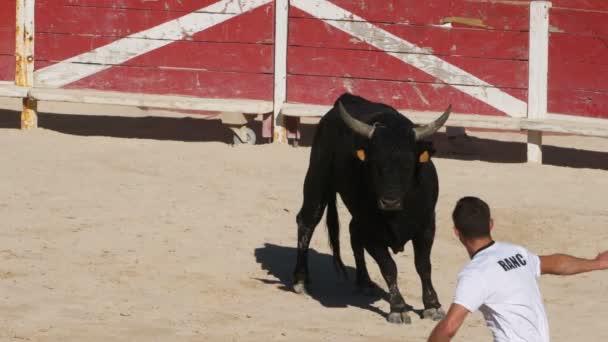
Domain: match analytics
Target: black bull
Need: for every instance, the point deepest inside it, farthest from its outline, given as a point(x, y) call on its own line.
point(378, 161)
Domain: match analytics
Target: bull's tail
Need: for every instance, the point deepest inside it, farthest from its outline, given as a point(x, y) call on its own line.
point(333, 230)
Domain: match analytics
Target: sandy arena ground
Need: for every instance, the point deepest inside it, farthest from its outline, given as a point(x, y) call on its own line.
point(118, 229)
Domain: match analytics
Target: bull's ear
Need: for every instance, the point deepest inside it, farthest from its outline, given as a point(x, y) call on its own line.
point(361, 154)
point(424, 157)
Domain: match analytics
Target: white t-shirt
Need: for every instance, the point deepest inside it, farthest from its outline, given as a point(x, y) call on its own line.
point(501, 282)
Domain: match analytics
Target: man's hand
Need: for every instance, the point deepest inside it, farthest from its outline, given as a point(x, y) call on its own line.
point(449, 325)
point(602, 260)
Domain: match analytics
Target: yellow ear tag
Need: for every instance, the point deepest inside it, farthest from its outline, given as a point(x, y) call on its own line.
point(424, 157)
point(361, 155)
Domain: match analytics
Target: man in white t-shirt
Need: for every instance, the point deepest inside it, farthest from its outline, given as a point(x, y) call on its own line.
point(501, 280)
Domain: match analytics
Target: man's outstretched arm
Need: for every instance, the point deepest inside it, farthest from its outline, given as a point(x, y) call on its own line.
point(449, 325)
point(563, 264)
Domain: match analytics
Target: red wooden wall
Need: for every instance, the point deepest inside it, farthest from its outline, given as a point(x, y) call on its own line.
point(234, 59)
point(578, 58)
point(488, 39)
point(324, 61)
point(7, 40)
point(231, 59)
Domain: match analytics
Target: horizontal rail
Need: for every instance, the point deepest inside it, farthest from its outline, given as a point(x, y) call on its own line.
point(152, 101)
point(555, 123)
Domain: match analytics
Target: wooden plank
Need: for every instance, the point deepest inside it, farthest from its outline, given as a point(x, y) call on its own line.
point(7, 15)
point(24, 43)
point(578, 76)
point(96, 20)
point(553, 123)
point(127, 48)
point(589, 23)
point(7, 68)
point(417, 96)
point(433, 65)
point(381, 66)
point(418, 117)
point(9, 89)
point(180, 82)
point(567, 126)
point(121, 22)
point(157, 5)
point(581, 5)
point(7, 42)
point(250, 58)
point(152, 101)
point(538, 72)
point(578, 102)
point(24, 58)
point(572, 48)
point(312, 32)
point(280, 70)
point(496, 15)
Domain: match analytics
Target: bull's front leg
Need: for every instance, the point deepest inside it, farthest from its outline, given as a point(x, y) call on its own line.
point(423, 243)
point(388, 268)
point(363, 282)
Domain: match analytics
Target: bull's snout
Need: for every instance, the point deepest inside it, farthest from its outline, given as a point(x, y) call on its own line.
point(389, 203)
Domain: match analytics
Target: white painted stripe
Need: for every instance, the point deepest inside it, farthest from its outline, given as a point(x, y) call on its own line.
point(538, 65)
point(432, 65)
point(280, 68)
point(122, 50)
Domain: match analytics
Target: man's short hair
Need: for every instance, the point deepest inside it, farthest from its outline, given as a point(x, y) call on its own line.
point(472, 217)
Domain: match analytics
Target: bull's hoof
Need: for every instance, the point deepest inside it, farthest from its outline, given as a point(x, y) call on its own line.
point(436, 314)
point(399, 318)
point(300, 288)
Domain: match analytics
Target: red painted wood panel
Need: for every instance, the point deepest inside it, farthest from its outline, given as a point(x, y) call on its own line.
point(379, 65)
point(180, 82)
point(578, 49)
point(7, 40)
point(233, 59)
point(160, 5)
point(578, 102)
point(440, 41)
point(590, 23)
point(578, 59)
point(594, 5)
point(578, 76)
point(498, 15)
point(121, 22)
point(7, 68)
point(55, 47)
point(339, 62)
point(416, 96)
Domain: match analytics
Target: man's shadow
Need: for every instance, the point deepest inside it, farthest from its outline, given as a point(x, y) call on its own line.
point(327, 286)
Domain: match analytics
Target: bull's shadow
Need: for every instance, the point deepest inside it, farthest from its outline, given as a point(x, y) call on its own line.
point(327, 287)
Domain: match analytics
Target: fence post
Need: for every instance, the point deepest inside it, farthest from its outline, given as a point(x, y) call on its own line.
point(538, 69)
point(280, 69)
point(24, 55)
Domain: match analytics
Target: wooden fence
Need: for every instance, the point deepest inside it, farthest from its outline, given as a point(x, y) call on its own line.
point(517, 65)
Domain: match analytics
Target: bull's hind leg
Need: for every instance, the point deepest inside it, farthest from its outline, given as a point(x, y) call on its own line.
point(388, 268)
point(308, 218)
point(423, 244)
point(315, 201)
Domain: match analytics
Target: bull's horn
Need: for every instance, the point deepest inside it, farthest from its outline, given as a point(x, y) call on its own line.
point(357, 126)
point(430, 129)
